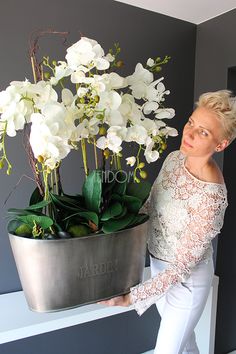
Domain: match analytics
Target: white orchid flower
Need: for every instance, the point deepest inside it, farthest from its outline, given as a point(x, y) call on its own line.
point(150, 126)
point(114, 117)
point(164, 113)
point(150, 62)
point(48, 139)
point(86, 128)
point(98, 84)
point(101, 63)
point(82, 91)
point(112, 142)
point(7, 97)
point(109, 100)
point(130, 110)
point(118, 131)
point(78, 77)
point(160, 123)
point(61, 70)
point(131, 161)
point(86, 52)
point(109, 57)
point(67, 97)
point(140, 75)
point(150, 155)
point(136, 133)
point(168, 131)
point(149, 107)
point(113, 81)
point(15, 117)
point(42, 93)
point(139, 90)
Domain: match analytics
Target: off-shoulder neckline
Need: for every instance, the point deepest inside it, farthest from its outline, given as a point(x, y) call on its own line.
point(194, 177)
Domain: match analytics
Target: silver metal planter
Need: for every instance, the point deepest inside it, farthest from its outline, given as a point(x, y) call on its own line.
point(61, 274)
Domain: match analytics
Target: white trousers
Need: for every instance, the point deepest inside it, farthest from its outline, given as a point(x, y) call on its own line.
point(181, 308)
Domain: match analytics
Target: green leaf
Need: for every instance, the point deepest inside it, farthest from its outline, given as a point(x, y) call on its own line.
point(43, 221)
point(133, 203)
point(12, 226)
point(124, 211)
point(140, 190)
point(121, 182)
point(88, 215)
point(64, 202)
point(116, 197)
point(92, 190)
point(39, 205)
point(35, 197)
point(12, 213)
point(118, 224)
point(15, 212)
point(112, 211)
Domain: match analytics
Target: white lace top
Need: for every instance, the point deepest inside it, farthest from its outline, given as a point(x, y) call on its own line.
point(185, 215)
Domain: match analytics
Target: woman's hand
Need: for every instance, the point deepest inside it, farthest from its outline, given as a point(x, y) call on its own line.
point(123, 300)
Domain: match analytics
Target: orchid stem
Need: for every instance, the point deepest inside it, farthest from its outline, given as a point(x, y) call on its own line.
point(84, 154)
point(95, 153)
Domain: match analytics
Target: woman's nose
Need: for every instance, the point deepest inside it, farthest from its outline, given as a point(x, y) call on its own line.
point(190, 134)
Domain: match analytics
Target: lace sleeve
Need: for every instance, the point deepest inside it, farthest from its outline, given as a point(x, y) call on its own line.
point(146, 206)
point(205, 222)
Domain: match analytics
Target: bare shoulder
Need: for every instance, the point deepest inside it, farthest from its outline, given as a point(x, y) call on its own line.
point(213, 173)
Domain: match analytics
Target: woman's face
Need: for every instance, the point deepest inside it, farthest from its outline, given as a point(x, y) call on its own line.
point(203, 134)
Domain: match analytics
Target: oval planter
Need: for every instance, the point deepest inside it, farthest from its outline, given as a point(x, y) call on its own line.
point(61, 274)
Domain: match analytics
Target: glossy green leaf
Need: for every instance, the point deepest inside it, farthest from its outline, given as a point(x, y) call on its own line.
point(139, 190)
point(43, 221)
point(113, 210)
point(39, 205)
point(118, 224)
point(88, 215)
point(133, 203)
point(12, 226)
point(35, 197)
point(92, 191)
point(121, 182)
point(65, 202)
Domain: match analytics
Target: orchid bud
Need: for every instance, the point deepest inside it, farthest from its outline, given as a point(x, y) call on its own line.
point(106, 153)
point(143, 174)
point(163, 146)
point(119, 64)
point(102, 131)
point(9, 171)
point(40, 159)
point(141, 165)
point(47, 75)
point(1, 164)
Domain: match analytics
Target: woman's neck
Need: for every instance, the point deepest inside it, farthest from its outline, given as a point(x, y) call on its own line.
point(198, 165)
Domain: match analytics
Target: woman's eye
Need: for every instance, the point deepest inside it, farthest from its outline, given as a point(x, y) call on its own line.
point(203, 133)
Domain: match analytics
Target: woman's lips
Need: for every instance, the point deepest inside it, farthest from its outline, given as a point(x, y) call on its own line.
point(187, 144)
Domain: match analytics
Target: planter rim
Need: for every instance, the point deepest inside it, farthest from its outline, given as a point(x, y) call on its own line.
point(73, 239)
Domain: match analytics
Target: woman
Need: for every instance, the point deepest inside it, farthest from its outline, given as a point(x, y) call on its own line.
point(186, 207)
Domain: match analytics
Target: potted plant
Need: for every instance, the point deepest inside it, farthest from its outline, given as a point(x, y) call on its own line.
point(76, 249)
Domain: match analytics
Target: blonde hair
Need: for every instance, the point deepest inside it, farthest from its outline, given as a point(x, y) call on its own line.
point(223, 103)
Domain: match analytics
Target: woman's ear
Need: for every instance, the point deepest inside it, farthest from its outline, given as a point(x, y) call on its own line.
point(220, 147)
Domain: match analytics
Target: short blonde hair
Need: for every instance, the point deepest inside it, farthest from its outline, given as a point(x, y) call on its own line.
point(223, 103)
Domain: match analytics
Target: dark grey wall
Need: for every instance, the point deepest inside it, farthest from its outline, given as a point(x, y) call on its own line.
point(215, 53)
point(141, 34)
